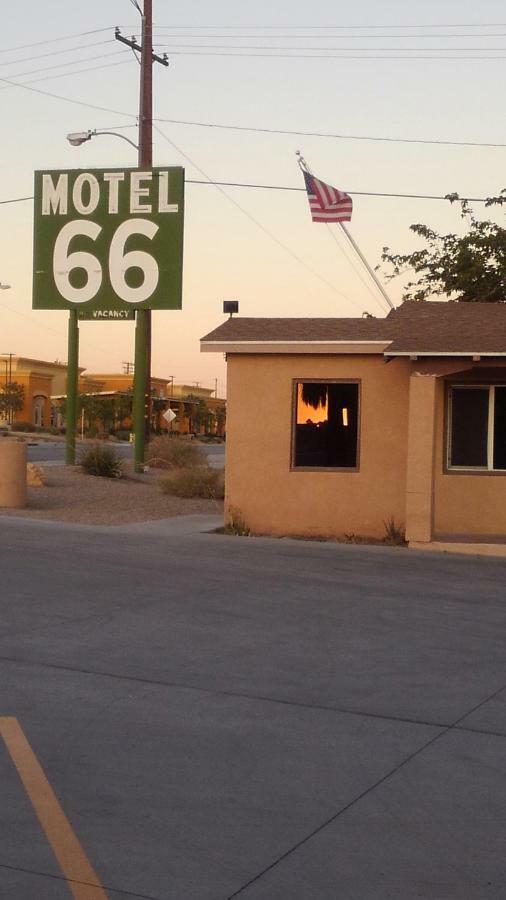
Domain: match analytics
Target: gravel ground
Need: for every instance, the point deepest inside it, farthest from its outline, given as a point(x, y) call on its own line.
point(69, 495)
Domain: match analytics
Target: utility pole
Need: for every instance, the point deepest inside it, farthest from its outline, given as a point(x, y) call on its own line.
point(142, 372)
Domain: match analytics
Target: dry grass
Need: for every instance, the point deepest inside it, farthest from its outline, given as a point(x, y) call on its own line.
point(198, 481)
point(173, 453)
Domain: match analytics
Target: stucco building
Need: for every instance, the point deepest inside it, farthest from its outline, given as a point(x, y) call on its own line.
point(338, 426)
point(39, 379)
point(45, 385)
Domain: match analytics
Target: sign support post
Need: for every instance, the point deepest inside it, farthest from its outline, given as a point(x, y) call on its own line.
point(72, 389)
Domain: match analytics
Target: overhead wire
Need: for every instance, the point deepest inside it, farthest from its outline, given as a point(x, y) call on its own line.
point(76, 102)
point(335, 136)
point(68, 74)
point(158, 32)
point(338, 27)
point(15, 62)
point(68, 63)
point(66, 37)
point(255, 221)
point(322, 55)
point(332, 135)
point(280, 187)
point(322, 50)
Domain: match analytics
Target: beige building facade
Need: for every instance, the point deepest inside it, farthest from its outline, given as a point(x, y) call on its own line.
point(337, 427)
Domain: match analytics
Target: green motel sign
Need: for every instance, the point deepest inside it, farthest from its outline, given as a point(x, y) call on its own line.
point(108, 239)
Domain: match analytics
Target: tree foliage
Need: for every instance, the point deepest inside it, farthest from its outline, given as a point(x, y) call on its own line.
point(199, 414)
point(12, 398)
point(468, 267)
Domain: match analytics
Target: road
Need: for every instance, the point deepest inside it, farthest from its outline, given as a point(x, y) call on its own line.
point(225, 717)
point(53, 452)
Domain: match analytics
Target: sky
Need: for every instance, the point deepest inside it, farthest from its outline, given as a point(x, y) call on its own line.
point(255, 245)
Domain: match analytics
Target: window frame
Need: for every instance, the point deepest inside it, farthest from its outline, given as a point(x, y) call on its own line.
point(472, 470)
point(293, 435)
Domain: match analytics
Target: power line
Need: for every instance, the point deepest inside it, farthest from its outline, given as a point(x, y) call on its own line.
point(129, 115)
point(325, 37)
point(327, 56)
point(66, 37)
point(123, 62)
point(322, 50)
point(70, 63)
point(67, 74)
point(279, 187)
point(43, 93)
point(335, 27)
point(321, 134)
point(14, 62)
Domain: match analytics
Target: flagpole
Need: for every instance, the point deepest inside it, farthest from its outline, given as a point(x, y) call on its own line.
point(371, 271)
point(304, 166)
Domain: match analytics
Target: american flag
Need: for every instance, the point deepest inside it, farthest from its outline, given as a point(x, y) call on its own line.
point(327, 204)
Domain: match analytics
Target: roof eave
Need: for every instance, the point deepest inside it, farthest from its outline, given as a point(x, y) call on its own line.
point(295, 347)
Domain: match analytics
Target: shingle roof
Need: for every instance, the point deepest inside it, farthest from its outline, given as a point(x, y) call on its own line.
point(429, 327)
point(260, 330)
point(414, 328)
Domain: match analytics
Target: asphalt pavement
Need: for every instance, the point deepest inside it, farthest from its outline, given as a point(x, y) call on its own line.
point(226, 717)
point(53, 452)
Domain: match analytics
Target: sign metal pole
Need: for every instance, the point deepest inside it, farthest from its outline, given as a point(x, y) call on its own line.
point(72, 389)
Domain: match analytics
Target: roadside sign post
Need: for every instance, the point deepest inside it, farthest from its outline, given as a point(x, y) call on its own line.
point(72, 389)
point(109, 241)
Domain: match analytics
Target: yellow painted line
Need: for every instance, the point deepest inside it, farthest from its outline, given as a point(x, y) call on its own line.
point(81, 878)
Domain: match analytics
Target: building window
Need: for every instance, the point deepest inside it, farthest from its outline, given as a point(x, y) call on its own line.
point(326, 425)
point(477, 427)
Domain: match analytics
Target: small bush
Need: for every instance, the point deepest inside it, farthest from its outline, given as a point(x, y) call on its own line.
point(23, 426)
point(236, 525)
point(101, 460)
point(171, 453)
point(199, 481)
point(394, 534)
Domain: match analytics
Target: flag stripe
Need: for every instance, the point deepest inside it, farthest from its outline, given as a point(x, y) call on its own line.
point(327, 203)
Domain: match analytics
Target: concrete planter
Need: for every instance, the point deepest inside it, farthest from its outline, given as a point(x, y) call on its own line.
point(12, 474)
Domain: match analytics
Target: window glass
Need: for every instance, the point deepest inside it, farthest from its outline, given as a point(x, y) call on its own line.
point(326, 428)
point(469, 427)
point(500, 428)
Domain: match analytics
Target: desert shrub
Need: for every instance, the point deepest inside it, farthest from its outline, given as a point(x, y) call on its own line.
point(394, 534)
point(198, 481)
point(23, 426)
point(100, 459)
point(171, 453)
point(236, 525)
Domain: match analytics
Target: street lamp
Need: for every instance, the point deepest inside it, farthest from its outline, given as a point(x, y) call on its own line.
point(77, 138)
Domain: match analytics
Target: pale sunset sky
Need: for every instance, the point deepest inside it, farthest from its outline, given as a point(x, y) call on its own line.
point(285, 67)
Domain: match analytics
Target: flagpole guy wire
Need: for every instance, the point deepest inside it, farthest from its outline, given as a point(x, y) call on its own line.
point(305, 168)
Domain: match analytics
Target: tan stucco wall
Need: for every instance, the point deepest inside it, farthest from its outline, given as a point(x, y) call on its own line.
point(269, 497)
point(465, 504)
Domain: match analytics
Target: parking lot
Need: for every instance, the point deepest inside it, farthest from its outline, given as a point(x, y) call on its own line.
point(191, 716)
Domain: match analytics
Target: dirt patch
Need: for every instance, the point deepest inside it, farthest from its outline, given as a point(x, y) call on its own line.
point(69, 495)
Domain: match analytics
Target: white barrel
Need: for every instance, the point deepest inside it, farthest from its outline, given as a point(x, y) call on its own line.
point(12, 474)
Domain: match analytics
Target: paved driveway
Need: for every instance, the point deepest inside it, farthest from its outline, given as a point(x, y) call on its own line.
point(228, 717)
